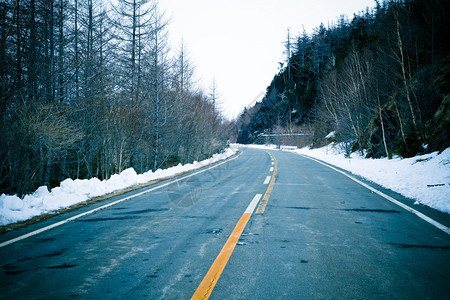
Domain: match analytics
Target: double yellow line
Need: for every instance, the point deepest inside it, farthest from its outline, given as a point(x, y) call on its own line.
point(208, 283)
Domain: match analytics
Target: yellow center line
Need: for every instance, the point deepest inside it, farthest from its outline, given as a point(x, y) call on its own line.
point(208, 283)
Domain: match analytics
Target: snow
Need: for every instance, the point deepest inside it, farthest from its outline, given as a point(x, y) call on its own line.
point(14, 209)
point(331, 135)
point(424, 178)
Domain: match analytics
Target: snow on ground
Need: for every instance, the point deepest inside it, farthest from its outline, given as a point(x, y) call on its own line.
point(70, 192)
point(424, 178)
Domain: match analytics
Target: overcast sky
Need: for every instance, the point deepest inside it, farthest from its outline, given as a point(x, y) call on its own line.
point(240, 42)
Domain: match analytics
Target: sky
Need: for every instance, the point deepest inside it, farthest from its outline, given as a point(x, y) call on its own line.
point(238, 44)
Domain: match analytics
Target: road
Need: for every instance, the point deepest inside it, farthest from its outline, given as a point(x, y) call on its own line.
point(314, 234)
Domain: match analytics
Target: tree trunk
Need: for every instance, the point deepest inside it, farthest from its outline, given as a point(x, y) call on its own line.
point(402, 64)
point(382, 124)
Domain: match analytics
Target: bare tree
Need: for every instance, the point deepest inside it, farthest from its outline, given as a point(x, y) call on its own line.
point(133, 18)
point(158, 81)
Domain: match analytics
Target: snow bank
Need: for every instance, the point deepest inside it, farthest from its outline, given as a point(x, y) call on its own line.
point(425, 178)
point(70, 192)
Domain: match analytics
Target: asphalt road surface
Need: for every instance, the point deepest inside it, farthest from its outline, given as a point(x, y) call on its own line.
point(310, 233)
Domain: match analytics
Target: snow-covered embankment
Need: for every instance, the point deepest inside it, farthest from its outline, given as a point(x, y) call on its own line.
point(14, 209)
point(424, 178)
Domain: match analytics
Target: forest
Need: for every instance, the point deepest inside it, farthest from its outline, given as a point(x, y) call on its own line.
point(379, 83)
point(89, 88)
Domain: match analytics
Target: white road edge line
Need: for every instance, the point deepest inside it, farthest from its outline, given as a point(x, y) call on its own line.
point(251, 207)
point(22, 237)
point(404, 206)
point(267, 179)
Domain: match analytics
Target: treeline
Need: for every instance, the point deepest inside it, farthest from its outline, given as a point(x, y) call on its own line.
point(379, 81)
point(87, 88)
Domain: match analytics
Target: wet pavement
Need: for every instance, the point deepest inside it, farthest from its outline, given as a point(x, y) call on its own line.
point(321, 236)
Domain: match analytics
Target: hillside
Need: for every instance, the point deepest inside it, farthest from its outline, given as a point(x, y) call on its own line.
point(379, 81)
